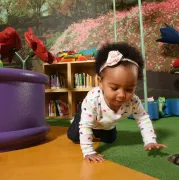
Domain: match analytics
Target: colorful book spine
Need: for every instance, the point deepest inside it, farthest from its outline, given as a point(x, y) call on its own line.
point(57, 81)
point(76, 81)
point(83, 80)
point(57, 108)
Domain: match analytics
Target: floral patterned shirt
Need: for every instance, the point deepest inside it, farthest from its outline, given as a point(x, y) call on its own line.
point(97, 115)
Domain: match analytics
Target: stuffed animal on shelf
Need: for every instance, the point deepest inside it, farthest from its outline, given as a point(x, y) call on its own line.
point(161, 104)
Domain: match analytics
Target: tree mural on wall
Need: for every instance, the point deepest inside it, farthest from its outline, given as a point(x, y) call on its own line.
point(22, 14)
point(36, 8)
point(91, 32)
point(10, 8)
point(81, 24)
point(15, 12)
point(48, 15)
point(79, 9)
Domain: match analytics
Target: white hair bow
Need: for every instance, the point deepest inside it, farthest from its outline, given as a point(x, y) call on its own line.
point(115, 57)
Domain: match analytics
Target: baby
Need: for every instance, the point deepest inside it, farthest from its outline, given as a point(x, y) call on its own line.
point(119, 66)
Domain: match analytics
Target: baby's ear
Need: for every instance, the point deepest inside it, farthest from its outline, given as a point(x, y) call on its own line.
point(100, 82)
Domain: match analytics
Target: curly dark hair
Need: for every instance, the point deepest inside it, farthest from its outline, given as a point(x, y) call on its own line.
point(127, 50)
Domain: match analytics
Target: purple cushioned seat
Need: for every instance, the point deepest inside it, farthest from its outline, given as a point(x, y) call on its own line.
point(22, 110)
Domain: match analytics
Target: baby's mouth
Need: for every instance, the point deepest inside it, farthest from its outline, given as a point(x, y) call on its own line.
point(119, 102)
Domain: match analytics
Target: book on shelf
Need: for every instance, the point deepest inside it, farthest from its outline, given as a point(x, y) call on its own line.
point(57, 81)
point(57, 108)
point(83, 80)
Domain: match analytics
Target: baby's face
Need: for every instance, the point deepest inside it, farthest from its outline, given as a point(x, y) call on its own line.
point(119, 84)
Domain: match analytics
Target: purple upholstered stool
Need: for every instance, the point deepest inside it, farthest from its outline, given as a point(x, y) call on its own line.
point(22, 110)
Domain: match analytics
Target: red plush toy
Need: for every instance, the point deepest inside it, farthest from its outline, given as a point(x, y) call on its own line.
point(9, 43)
point(176, 63)
point(38, 47)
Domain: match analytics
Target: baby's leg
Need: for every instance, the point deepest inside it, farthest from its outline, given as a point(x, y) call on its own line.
point(106, 136)
point(73, 131)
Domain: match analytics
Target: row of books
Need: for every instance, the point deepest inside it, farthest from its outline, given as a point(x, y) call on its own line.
point(83, 80)
point(57, 108)
point(57, 81)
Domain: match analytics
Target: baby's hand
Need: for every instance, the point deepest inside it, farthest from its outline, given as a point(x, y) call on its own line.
point(95, 157)
point(151, 146)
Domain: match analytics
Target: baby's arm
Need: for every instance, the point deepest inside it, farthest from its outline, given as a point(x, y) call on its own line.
point(86, 124)
point(147, 131)
point(144, 122)
point(145, 125)
point(88, 117)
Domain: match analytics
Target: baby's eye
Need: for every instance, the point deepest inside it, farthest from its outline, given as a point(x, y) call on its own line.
point(114, 88)
point(129, 90)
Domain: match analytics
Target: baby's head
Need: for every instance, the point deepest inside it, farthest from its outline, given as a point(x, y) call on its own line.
point(118, 66)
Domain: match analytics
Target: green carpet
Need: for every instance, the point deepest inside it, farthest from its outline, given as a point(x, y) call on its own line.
point(128, 148)
point(59, 122)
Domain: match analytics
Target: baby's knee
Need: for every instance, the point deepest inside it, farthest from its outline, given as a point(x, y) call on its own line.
point(74, 139)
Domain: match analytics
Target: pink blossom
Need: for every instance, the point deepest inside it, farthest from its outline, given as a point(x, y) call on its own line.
point(96, 32)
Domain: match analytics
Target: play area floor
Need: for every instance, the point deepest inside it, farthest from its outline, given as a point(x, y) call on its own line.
point(128, 148)
point(60, 159)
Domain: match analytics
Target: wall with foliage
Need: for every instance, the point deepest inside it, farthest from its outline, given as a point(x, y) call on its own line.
point(83, 24)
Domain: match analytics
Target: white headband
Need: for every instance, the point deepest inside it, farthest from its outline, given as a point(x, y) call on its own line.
point(115, 57)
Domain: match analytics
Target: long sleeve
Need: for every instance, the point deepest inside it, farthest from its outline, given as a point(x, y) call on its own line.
point(88, 117)
point(143, 121)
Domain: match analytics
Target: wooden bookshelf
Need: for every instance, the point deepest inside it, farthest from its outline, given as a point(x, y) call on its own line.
point(69, 93)
point(56, 90)
point(81, 89)
point(57, 117)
